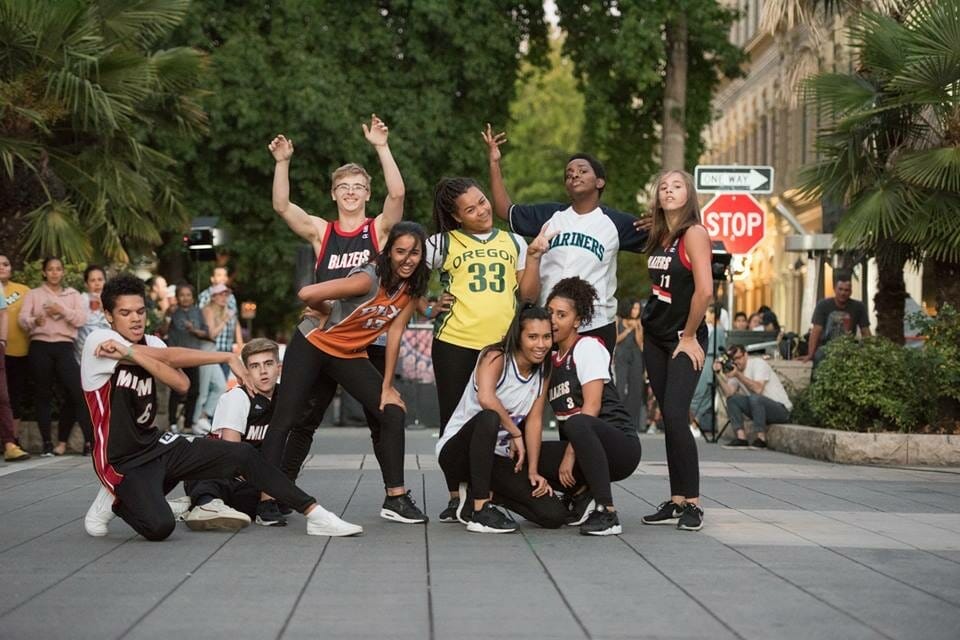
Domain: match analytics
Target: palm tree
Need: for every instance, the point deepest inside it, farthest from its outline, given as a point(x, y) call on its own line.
point(891, 148)
point(83, 97)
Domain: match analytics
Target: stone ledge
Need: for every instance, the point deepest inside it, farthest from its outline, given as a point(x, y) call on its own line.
point(851, 447)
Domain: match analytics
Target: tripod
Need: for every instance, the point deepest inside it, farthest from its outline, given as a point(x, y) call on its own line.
point(719, 267)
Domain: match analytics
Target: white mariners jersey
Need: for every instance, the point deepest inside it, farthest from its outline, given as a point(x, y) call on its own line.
point(516, 393)
point(586, 246)
point(122, 401)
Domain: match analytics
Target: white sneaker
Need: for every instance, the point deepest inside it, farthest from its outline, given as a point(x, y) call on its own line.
point(179, 506)
point(321, 522)
point(202, 426)
point(99, 514)
point(216, 516)
point(695, 430)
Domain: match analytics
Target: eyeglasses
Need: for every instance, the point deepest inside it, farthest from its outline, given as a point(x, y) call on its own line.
point(350, 188)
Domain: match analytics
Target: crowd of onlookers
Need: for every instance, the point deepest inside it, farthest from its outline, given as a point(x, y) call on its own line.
point(43, 330)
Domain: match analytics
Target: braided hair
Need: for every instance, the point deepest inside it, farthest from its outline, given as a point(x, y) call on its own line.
point(578, 291)
point(445, 196)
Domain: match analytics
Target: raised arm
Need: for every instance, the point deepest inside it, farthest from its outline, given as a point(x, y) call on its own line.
point(148, 358)
point(501, 199)
point(308, 227)
point(530, 276)
point(376, 134)
point(315, 295)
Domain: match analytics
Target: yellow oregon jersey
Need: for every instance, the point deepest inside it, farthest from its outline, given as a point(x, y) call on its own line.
point(482, 277)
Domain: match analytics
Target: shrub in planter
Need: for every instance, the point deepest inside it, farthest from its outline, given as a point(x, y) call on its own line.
point(875, 385)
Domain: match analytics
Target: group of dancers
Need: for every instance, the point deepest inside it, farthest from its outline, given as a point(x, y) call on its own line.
point(519, 324)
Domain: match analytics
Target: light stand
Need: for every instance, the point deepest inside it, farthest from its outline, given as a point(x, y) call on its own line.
point(720, 266)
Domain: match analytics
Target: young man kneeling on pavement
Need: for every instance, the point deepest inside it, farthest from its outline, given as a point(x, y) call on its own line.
point(136, 463)
point(763, 400)
point(226, 503)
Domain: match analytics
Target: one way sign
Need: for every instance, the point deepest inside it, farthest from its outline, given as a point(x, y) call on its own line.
point(747, 179)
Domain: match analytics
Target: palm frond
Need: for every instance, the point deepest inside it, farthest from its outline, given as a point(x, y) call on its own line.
point(937, 169)
point(880, 42)
point(54, 229)
point(837, 94)
point(877, 212)
point(16, 150)
point(935, 226)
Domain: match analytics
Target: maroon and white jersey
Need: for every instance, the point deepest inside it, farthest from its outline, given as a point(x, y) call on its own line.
point(122, 400)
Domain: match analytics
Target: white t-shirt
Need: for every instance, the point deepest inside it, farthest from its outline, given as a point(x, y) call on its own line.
point(95, 372)
point(585, 246)
point(758, 369)
point(232, 410)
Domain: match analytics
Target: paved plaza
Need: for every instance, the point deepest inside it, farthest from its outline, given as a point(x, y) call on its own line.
point(791, 548)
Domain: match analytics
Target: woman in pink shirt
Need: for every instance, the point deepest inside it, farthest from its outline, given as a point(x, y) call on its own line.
point(51, 314)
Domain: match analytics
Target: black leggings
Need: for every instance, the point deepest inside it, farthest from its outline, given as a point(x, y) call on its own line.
point(312, 374)
point(236, 494)
point(604, 454)
point(55, 362)
point(141, 495)
point(673, 381)
point(469, 457)
point(452, 367)
point(188, 399)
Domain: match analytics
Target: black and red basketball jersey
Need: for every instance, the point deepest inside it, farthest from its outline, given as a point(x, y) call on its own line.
point(341, 251)
point(671, 278)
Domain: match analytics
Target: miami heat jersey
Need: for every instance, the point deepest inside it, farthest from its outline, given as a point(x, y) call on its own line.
point(354, 323)
point(342, 251)
point(586, 361)
point(671, 277)
point(122, 400)
point(239, 412)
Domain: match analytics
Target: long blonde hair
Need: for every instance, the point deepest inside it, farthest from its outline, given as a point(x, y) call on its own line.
point(660, 234)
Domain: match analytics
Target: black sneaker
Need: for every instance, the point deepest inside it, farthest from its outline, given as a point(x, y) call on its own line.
point(691, 519)
point(580, 507)
point(268, 514)
point(736, 443)
point(465, 505)
point(402, 509)
point(758, 444)
point(450, 513)
point(47, 450)
point(667, 513)
point(601, 522)
point(491, 520)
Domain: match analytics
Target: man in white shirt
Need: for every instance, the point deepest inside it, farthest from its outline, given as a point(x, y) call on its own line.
point(763, 398)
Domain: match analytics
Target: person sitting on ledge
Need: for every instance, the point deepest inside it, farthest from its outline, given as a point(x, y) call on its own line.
point(763, 400)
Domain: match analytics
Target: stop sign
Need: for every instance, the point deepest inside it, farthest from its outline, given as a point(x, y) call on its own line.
point(737, 219)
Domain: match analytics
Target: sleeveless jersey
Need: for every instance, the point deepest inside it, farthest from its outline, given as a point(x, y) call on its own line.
point(122, 400)
point(342, 251)
point(516, 393)
point(482, 276)
point(249, 416)
point(566, 387)
point(355, 323)
point(665, 313)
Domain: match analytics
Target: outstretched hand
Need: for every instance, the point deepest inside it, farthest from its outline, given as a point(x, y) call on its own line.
point(493, 142)
point(377, 133)
point(643, 223)
point(281, 148)
point(541, 244)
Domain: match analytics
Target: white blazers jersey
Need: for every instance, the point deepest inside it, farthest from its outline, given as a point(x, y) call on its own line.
point(517, 394)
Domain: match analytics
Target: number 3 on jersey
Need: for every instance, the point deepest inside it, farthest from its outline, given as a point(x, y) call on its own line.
point(480, 281)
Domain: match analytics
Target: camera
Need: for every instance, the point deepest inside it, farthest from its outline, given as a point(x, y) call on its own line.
point(726, 362)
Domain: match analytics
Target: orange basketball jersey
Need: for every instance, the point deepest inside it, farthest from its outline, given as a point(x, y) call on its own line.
point(356, 322)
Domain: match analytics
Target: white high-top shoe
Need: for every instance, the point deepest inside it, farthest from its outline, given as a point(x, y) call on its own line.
point(99, 514)
point(321, 522)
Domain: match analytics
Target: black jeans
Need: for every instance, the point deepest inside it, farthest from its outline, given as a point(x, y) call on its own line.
point(469, 457)
point(314, 375)
point(236, 494)
point(141, 495)
point(188, 399)
point(52, 362)
point(673, 381)
point(604, 454)
point(452, 367)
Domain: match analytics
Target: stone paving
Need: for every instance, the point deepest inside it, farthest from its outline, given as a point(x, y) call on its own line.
point(792, 548)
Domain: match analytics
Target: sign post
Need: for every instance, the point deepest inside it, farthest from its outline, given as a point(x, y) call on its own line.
point(737, 220)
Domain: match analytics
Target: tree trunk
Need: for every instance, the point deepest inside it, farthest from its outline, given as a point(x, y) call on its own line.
point(946, 283)
point(675, 94)
point(891, 290)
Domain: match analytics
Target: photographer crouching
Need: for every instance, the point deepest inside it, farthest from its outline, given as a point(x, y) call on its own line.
point(753, 390)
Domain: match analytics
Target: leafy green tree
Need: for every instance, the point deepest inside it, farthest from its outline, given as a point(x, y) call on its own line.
point(621, 61)
point(314, 71)
point(891, 149)
point(83, 91)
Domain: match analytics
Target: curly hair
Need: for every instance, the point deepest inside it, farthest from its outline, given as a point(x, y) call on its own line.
point(445, 196)
point(421, 275)
point(578, 291)
point(124, 284)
